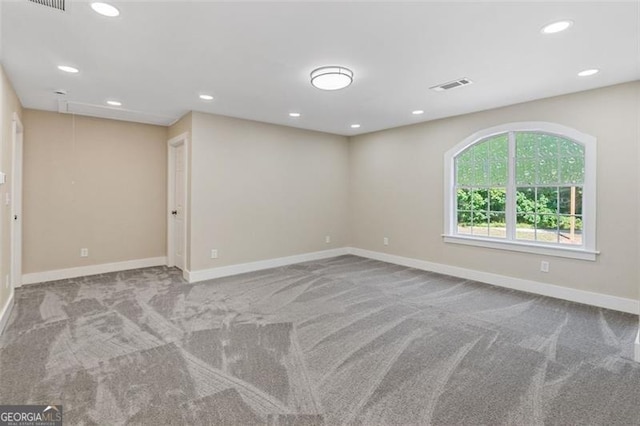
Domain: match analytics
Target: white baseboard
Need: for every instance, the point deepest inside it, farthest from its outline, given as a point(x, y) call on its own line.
point(637, 353)
point(61, 274)
point(589, 298)
point(555, 291)
point(6, 312)
point(225, 271)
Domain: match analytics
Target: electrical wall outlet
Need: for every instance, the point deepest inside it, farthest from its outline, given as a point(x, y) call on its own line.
point(385, 241)
point(544, 266)
point(84, 252)
point(214, 254)
point(327, 239)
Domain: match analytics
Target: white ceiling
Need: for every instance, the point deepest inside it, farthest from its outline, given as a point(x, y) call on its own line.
point(255, 57)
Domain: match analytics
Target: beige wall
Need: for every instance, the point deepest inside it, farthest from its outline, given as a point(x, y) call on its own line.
point(94, 183)
point(181, 126)
point(261, 191)
point(8, 105)
point(396, 187)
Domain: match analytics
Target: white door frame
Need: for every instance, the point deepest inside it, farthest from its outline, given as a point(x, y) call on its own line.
point(17, 131)
point(171, 154)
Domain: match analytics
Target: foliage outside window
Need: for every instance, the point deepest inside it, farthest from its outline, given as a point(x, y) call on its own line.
point(521, 186)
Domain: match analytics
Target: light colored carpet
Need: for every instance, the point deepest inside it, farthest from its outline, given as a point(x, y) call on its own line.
point(338, 341)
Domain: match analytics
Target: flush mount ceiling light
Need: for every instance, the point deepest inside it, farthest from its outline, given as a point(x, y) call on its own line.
point(331, 77)
point(417, 112)
point(206, 97)
point(105, 9)
point(294, 114)
point(556, 27)
point(67, 68)
point(355, 126)
point(114, 103)
point(587, 73)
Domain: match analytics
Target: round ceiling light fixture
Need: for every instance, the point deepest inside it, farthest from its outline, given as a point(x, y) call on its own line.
point(331, 77)
point(105, 9)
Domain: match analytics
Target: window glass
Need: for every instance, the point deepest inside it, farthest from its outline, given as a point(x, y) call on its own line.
point(547, 184)
point(482, 174)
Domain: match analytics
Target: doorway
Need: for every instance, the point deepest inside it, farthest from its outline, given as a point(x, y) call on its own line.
point(177, 201)
point(17, 133)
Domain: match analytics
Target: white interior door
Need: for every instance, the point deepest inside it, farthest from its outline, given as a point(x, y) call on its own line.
point(16, 204)
point(179, 197)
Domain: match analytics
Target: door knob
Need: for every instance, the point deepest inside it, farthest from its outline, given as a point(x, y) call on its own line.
point(174, 212)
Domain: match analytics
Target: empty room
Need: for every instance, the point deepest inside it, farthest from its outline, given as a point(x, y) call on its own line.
point(319, 212)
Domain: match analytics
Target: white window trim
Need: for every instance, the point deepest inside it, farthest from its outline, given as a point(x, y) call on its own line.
point(586, 252)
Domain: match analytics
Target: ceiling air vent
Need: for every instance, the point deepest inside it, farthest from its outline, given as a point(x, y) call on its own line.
point(451, 85)
point(55, 4)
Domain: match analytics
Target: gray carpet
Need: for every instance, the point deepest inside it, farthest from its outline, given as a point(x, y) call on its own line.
point(338, 341)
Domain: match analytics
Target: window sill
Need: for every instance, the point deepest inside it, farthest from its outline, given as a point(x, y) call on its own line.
point(541, 249)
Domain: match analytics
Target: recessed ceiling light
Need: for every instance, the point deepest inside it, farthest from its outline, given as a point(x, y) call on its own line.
point(417, 112)
point(206, 97)
point(114, 103)
point(105, 9)
point(294, 114)
point(67, 68)
point(587, 73)
point(355, 126)
point(331, 77)
point(556, 27)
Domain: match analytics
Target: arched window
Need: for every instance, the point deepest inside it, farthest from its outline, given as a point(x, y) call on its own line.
point(525, 187)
